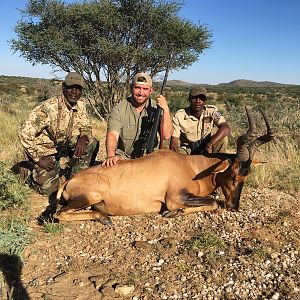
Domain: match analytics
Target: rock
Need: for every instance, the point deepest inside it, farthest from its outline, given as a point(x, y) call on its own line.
point(124, 289)
point(141, 244)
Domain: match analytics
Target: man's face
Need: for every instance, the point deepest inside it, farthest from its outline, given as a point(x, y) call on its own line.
point(197, 102)
point(72, 93)
point(141, 93)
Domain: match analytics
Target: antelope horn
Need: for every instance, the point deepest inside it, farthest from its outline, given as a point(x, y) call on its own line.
point(264, 138)
point(244, 140)
point(252, 128)
point(269, 130)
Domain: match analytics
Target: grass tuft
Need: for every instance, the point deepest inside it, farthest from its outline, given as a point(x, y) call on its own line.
point(53, 228)
point(207, 239)
point(14, 235)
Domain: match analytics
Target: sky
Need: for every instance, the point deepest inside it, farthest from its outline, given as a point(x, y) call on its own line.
point(253, 40)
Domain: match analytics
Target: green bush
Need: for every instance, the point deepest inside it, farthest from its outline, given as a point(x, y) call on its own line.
point(177, 102)
point(14, 235)
point(12, 192)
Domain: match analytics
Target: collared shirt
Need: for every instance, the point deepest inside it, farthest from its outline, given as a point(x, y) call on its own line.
point(189, 129)
point(128, 123)
point(53, 121)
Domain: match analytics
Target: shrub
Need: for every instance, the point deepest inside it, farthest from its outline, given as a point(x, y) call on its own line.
point(177, 102)
point(14, 235)
point(12, 192)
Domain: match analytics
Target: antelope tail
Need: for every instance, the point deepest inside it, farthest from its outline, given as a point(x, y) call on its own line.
point(61, 189)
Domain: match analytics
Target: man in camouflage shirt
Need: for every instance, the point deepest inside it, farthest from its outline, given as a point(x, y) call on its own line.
point(57, 137)
point(199, 128)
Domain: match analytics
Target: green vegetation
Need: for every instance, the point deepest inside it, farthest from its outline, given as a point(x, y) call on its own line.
point(209, 245)
point(206, 240)
point(53, 228)
point(261, 253)
point(14, 235)
point(12, 192)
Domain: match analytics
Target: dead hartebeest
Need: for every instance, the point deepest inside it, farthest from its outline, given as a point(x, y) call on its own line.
point(163, 181)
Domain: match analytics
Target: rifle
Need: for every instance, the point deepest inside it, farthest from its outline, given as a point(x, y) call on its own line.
point(199, 147)
point(156, 118)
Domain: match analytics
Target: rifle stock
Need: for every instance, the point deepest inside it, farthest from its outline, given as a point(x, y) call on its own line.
point(199, 147)
point(153, 132)
point(157, 114)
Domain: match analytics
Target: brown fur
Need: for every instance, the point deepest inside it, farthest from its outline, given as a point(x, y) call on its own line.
point(145, 185)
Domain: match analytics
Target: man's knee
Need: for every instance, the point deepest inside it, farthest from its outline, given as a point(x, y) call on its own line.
point(48, 189)
point(45, 182)
point(92, 151)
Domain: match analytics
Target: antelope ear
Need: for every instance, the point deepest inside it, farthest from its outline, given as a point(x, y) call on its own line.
point(257, 163)
point(222, 166)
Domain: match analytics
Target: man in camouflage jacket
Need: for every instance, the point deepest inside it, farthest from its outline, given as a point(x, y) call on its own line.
point(57, 137)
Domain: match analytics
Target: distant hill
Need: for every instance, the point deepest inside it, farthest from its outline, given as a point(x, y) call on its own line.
point(252, 83)
point(239, 83)
point(234, 83)
point(180, 83)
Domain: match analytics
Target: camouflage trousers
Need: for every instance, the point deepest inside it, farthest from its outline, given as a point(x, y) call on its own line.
point(46, 183)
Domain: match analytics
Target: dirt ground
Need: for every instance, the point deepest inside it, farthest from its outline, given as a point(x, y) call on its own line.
point(255, 255)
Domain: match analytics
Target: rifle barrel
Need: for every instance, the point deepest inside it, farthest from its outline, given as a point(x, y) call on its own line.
point(156, 119)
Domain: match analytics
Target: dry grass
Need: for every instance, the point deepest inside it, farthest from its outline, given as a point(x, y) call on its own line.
point(282, 156)
point(282, 168)
point(11, 150)
point(99, 131)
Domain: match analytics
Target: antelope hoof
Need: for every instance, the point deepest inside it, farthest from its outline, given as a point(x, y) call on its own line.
point(172, 213)
point(105, 221)
point(231, 208)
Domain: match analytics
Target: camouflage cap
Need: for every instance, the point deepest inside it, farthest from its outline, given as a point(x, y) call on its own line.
point(142, 78)
point(74, 78)
point(198, 90)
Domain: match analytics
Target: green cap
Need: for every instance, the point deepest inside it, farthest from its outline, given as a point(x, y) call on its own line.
point(74, 78)
point(198, 90)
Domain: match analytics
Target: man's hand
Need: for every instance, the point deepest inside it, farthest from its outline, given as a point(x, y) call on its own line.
point(47, 163)
point(111, 161)
point(81, 145)
point(162, 102)
point(209, 148)
point(174, 144)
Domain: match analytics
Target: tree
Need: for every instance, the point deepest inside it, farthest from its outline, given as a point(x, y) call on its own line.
point(108, 41)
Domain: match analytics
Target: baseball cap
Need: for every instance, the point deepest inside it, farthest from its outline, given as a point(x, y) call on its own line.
point(74, 78)
point(142, 78)
point(198, 90)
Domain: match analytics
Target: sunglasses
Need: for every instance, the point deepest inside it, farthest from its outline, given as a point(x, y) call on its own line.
point(201, 97)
